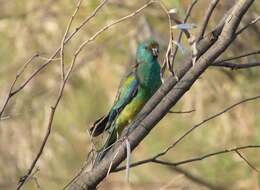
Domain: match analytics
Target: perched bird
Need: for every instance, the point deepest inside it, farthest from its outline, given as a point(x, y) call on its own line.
point(134, 91)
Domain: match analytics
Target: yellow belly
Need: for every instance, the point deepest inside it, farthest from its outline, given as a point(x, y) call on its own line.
point(128, 113)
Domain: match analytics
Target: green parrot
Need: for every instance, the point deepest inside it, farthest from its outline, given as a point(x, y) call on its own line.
point(134, 91)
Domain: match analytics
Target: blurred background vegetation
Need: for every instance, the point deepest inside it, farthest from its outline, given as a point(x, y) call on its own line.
point(29, 26)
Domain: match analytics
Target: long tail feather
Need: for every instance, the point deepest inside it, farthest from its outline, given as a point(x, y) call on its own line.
point(107, 146)
point(99, 126)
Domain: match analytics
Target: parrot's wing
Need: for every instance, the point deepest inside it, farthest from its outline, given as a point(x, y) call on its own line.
point(127, 90)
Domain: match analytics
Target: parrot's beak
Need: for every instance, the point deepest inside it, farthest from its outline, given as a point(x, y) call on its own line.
point(155, 52)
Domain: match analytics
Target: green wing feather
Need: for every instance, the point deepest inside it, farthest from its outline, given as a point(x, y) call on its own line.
point(127, 90)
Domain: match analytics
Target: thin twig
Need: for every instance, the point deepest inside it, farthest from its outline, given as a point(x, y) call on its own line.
point(169, 49)
point(11, 92)
point(169, 52)
point(174, 164)
point(93, 14)
point(181, 32)
point(48, 59)
point(248, 25)
point(205, 22)
point(83, 45)
point(204, 121)
point(64, 38)
point(246, 161)
point(48, 132)
point(180, 112)
point(238, 57)
point(236, 65)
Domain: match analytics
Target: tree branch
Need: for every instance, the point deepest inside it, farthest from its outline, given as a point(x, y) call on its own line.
point(11, 92)
point(248, 25)
point(237, 57)
point(203, 122)
point(174, 164)
point(246, 161)
point(236, 65)
point(53, 108)
point(173, 54)
point(205, 22)
point(177, 112)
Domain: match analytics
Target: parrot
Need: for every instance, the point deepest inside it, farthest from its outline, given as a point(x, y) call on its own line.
point(135, 89)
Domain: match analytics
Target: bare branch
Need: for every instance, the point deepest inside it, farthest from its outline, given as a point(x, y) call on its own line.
point(64, 38)
point(189, 111)
point(173, 54)
point(45, 139)
point(246, 161)
point(236, 65)
point(169, 49)
point(11, 93)
point(238, 57)
point(174, 164)
point(53, 109)
point(248, 25)
point(205, 22)
point(203, 122)
point(83, 45)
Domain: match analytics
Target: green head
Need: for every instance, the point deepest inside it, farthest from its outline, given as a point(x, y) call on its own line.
point(147, 51)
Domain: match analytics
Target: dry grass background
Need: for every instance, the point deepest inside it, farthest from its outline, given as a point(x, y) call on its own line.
point(31, 26)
